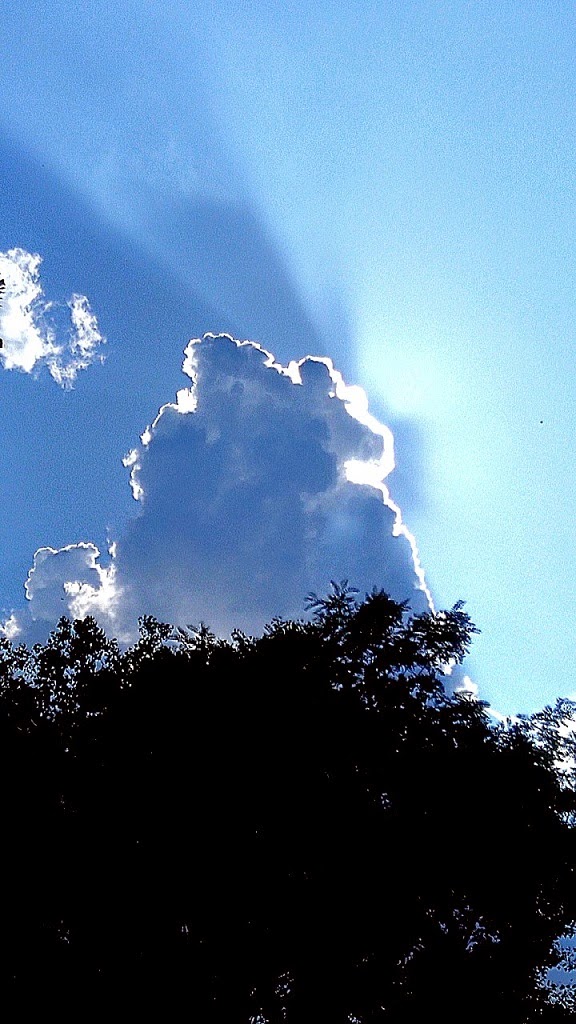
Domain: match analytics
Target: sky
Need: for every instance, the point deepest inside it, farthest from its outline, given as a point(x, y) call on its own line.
point(388, 186)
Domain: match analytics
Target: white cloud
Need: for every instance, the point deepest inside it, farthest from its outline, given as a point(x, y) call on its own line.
point(10, 628)
point(259, 484)
point(37, 332)
point(467, 687)
point(71, 581)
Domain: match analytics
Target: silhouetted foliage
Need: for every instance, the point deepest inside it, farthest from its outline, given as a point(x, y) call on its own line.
point(301, 827)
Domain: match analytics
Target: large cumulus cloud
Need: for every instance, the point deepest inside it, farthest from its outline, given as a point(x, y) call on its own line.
point(65, 337)
point(259, 484)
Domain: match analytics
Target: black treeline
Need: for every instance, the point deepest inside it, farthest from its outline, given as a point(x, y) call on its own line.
point(298, 828)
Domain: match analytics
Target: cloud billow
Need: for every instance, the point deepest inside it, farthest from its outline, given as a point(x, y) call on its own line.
point(259, 484)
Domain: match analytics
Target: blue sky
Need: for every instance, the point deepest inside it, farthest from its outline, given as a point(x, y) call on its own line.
point(388, 184)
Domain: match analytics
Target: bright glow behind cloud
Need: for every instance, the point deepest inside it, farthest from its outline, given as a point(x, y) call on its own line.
point(32, 328)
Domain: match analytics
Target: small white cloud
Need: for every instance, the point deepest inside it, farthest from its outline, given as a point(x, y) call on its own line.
point(11, 628)
point(71, 581)
point(467, 687)
point(34, 330)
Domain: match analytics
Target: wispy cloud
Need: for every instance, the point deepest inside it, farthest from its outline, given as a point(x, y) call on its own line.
point(36, 332)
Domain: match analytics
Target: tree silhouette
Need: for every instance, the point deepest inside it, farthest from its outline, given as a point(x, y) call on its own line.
point(293, 828)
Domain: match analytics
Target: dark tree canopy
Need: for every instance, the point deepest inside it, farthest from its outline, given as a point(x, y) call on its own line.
point(303, 827)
